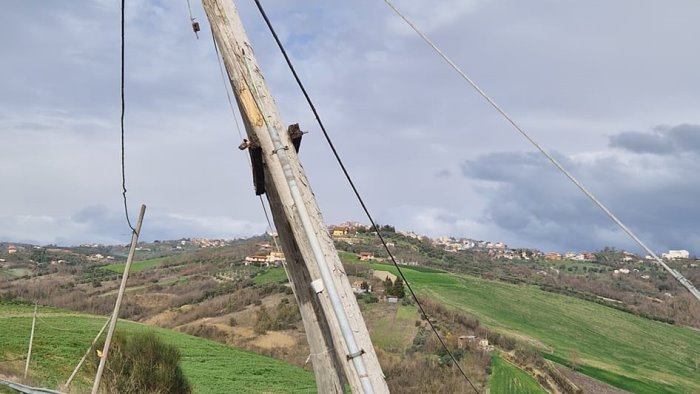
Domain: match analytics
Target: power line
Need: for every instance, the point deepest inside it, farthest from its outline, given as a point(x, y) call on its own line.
point(354, 188)
point(126, 207)
point(685, 282)
point(269, 225)
point(223, 80)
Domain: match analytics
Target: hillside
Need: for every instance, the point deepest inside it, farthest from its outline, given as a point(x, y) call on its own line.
point(627, 351)
point(209, 292)
point(62, 337)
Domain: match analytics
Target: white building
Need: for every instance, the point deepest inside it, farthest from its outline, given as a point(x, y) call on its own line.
point(676, 254)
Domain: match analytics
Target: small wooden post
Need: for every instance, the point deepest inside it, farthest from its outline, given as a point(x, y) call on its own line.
point(31, 341)
point(118, 304)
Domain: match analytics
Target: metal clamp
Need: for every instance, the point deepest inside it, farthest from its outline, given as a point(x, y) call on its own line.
point(278, 149)
point(356, 354)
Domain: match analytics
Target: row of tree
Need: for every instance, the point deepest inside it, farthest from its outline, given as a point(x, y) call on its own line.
point(394, 288)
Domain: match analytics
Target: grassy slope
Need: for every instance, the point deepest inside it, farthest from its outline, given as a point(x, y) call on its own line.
point(61, 338)
point(10, 273)
point(271, 275)
point(636, 354)
point(509, 379)
point(393, 327)
point(136, 266)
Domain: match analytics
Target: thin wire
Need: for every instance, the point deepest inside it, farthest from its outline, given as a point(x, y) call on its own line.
point(189, 8)
point(357, 193)
point(685, 282)
point(53, 327)
point(126, 207)
point(224, 80)
point(269, 224)
point(238, 127)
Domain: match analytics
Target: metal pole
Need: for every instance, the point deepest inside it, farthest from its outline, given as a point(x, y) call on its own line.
point(31, 341)
point(87, 352)
point(117, 305)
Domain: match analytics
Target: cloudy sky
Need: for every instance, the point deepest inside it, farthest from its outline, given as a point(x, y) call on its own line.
point(612, 89)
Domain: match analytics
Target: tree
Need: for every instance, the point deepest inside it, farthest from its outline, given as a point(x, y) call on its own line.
point(398, 289)
point(263, 321)
point(388, 286)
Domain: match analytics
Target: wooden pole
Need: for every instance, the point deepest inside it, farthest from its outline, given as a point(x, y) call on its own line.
point(117, 305)
point(328, 305)
point(87, 352)
point(31, 341)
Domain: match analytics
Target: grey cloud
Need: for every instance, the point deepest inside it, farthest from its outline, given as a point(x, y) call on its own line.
point(398, 116)
point(538, 206)
point(662, 140)
point(444, 173)
point(98, 224)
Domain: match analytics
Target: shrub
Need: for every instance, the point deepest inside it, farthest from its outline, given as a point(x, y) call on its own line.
point(142, 363)
point(263, 321)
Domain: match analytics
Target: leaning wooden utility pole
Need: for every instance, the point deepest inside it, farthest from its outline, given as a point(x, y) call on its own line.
point(341, 349)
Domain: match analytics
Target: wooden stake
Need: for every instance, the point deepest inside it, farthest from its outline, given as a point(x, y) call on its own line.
point(31, 341)
point(117, 305)
point(87, 352)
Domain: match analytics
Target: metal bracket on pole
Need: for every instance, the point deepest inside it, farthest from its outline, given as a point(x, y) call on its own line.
point(356, 354)
point(274, 152)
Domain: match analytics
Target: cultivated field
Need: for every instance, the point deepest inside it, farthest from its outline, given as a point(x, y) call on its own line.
point(509, 379)
point(624, 350)
point(136, 266)
point(62, 337)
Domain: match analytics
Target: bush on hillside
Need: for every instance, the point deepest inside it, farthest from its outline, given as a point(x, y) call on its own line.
point(142, 363)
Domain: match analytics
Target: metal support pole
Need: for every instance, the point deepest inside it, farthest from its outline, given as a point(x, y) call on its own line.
point(117, 305)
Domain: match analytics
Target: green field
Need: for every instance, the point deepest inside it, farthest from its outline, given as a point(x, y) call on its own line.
point(61, 338)
point(271, 275)
point(136, 266)
point(508, 379)
point(11, 273)
point(624, 350)
point(393, 327)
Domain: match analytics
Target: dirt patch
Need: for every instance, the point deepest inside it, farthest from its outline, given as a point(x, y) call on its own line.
point(163, 319)
point(153, 300)
point(275, 339)
point(383, 274)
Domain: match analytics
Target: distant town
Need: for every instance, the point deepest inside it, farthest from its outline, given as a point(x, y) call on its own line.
point(345, 232)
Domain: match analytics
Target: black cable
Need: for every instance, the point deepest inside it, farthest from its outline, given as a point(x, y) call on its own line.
point(126, 207)
point(357, 193)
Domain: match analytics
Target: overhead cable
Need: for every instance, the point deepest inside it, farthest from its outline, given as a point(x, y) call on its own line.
point(685, 282)
point(126, 207)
